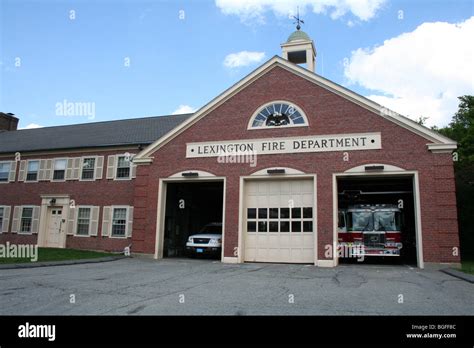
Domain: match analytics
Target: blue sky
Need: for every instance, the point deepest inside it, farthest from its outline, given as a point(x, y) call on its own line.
point(47, 58)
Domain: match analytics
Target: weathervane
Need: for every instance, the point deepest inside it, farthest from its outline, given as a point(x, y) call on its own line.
point(298, 20)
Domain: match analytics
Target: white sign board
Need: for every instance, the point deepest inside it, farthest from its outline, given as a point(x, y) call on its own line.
point(318, 143)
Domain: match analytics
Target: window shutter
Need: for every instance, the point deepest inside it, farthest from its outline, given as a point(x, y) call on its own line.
point(111, 166)
point(71, 220)
point(35, 220)
point(106, 221)
point(94, 221)
point(133, 167)
point(42, 170)
point(76, 168)
point(16, 219)
point(69, 169)
point(48, 170)
point(6, 218)
point(12, 174)
point(99, 167)
point(22, 171)
point(130, 222)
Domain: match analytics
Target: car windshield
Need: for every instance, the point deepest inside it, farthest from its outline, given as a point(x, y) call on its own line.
point(213, 229)
point(387, 221)
point(360, 221)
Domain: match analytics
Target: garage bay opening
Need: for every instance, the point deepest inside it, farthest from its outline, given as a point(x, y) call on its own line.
point(193, 219)
point(376, 219)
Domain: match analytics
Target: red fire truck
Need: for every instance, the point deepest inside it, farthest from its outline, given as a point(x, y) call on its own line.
point(370, 230)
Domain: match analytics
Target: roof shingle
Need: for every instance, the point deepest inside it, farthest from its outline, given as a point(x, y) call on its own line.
point(98, 134)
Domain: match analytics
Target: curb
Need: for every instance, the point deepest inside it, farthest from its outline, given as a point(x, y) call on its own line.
point(62, 263)
point(459, 274)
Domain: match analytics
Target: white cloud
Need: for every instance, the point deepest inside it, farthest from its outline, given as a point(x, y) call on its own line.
point(253, 10)
point(184, 109)
point(32, 126)
point(243, 58)
point(420, 73)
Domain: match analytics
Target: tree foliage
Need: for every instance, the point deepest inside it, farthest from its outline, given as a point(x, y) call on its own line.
point(461, 129)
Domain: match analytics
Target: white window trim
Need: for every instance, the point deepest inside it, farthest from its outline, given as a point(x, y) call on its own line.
point(76, 221)
point(130, 167)
point(113, 207)
point(52, 169)
point(256, 112)
point(21, 218)
point(82, 164)
point(26, 171)
point(8, 173)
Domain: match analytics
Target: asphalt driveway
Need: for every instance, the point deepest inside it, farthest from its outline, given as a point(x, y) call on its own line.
point(187, 287)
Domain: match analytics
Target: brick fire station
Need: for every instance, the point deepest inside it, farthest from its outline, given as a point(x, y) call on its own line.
point(285, 161)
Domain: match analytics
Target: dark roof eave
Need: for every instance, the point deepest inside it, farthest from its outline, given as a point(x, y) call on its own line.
point(77, 148)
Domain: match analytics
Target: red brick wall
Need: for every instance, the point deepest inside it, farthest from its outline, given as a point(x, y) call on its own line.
point(328, 113)
point(99, 193)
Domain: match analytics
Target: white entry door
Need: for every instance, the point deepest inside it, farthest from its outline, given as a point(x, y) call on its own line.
point(54, 229)
point(279, 221)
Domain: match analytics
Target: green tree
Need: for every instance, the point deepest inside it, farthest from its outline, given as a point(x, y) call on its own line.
point(461, 129)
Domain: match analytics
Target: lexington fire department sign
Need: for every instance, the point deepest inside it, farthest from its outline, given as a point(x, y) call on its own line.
point(320, 143)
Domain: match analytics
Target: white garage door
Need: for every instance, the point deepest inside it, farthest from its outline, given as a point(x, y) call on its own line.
point(279, 221)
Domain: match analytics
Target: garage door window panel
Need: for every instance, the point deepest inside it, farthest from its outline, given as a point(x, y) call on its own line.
point(307, 226)
point(284, 226)
point(273, 226)
point(262, 226)
point(295, 226)
point(296, 213)
point(251, 213)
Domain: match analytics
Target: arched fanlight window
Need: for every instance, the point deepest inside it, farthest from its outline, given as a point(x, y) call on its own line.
point(278, 114)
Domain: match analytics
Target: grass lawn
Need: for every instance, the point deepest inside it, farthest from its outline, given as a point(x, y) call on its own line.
point(467, 266)
point(54, 254)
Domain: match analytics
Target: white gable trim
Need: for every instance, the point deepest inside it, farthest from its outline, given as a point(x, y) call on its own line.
point(144, 156)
